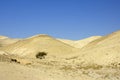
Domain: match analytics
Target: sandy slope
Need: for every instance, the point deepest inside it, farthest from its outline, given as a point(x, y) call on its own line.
point(103, 51)
point(3, 37)
point(52, 70)
point(19, 72)
point(80, 43)
point(4, 41)
point(97, 58)
point(41, 43)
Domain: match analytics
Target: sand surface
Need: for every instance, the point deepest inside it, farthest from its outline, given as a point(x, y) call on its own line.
point(43, 57)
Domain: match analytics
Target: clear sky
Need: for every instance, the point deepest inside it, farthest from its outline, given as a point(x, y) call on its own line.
point(69, 19)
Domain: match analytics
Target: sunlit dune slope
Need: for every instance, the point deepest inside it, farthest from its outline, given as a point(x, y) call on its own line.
point(3, 37)
point(80, 43)
point(105, 50)
point(40, 43)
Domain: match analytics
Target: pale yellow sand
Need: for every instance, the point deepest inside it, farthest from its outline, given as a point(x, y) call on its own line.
point(94, 58)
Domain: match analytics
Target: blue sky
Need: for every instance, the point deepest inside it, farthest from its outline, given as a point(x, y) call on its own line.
point(69, 19)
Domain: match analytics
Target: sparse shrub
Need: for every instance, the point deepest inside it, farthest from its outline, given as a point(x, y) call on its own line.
point(41, 55)
point(15, 60)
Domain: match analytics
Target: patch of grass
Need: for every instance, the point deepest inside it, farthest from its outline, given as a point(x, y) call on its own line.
point(89, 66)
point(67, 68)
point(115, 65)
point(4, 58)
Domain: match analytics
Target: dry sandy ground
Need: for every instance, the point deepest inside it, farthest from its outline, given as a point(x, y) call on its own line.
point(18, 72)
point(94, 58)
point(52, 70)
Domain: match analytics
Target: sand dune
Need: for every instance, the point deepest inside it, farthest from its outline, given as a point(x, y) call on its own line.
point(104, 50)
point(3, 37)
point(4, 41)
point(39, 43)
point(80, 43)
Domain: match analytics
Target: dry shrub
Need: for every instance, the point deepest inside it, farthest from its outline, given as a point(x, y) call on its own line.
point(41, 55)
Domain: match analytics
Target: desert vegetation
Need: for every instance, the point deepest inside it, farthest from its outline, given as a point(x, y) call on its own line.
point(41, 55)
point(61, 61)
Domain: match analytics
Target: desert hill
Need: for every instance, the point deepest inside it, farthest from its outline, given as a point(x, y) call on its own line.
point(39, 43)
point(94, 58)
point(80, 43)
point(3, 37)
point(103, 51)
point(4, 41)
